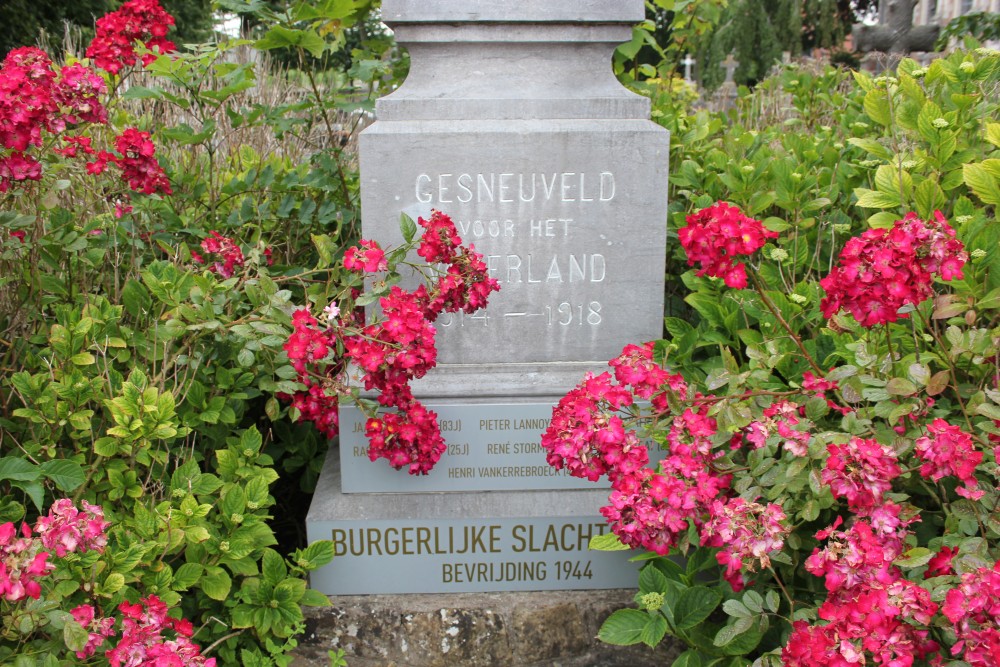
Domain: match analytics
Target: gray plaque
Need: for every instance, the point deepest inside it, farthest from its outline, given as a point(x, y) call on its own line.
point(486, 542)
point(491, 447)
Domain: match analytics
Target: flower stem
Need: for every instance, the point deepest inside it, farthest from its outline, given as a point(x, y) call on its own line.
point(781, 320)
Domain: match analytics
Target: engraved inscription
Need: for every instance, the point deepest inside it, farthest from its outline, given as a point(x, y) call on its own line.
point(509, 188)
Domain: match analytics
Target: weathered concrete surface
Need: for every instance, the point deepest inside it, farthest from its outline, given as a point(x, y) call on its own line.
point(545, 629)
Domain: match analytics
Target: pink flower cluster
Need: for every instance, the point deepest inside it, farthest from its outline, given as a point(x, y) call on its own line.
point(98, 629)
point(137, 161)
point(393, 351)
point(143, 643)
point(33, 98)
point(307, 350)
point(871, 611)
point(948, 450)
point(588, 437)
point(974, 610)
point(24, 559)
point(230, 255)
point(884, 269)
point(747, 533)
point(861, 471)
point(142, 21)
point(715, 236)
point(780, 417)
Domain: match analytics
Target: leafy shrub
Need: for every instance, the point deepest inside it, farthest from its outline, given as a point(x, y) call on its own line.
point(830, 417)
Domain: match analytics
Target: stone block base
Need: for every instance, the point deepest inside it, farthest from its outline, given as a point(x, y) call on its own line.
point(543, 629)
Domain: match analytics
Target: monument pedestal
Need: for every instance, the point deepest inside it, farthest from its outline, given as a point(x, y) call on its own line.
point(450, 542)
point(512, 123)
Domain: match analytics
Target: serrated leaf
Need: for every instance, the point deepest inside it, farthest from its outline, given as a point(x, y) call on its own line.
point(75, 636)
point(877, 107)
point(875, 199)
point(772, 600)
point(900, 387)
point(651, 580)
point(313, 598)
point(689, 658)
point(736, 609)
point(66, 475)
point(914, 557)
point(407, 227)
point(187, 575)
point(695, 605)
point(216, 583)
point(607, 542)
point(14, 468)
point(993, 133)
point(982, 183)
point(623, 628)
point(654, 631)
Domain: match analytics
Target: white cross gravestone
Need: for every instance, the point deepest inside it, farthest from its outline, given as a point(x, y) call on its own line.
point(511, 122)
point(688, 63)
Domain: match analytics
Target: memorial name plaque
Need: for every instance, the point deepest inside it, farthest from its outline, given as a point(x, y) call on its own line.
point(491, 447)
point(512, 123)
point(465, 543)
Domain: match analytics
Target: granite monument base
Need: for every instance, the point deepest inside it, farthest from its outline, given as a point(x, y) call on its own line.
point(546, 629)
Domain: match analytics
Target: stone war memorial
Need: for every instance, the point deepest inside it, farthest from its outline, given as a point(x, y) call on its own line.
point(512, 123)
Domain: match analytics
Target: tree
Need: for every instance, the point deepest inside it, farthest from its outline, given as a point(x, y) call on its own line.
point(757, 32)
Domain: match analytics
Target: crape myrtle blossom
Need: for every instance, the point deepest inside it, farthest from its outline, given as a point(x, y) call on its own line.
point(392, 351)
point(884, 269)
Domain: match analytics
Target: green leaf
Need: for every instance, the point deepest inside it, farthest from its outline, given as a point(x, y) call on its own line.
point(651, 580)
point(607, 542)
point(654, 631)
point(142, 93)
point(280, 37)
point(736, 609)
point(875, 199)
point(216, 583)
point(407, 227)
point(624, 627)
point(982, 183)
point(877, 107)
point(694, 605)
point(688, 658)
point(273, 567)
point(993, 133)
point(135, 298)
point(17, 469)
point(871, 146)
point(75, 636)
point(66, 475)
point(313, 598)
point(187, 575)
point(915, 557)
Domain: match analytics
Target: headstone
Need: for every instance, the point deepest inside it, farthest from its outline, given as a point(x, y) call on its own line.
point(730, 64)
point(688, 63)
point(511, 122)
